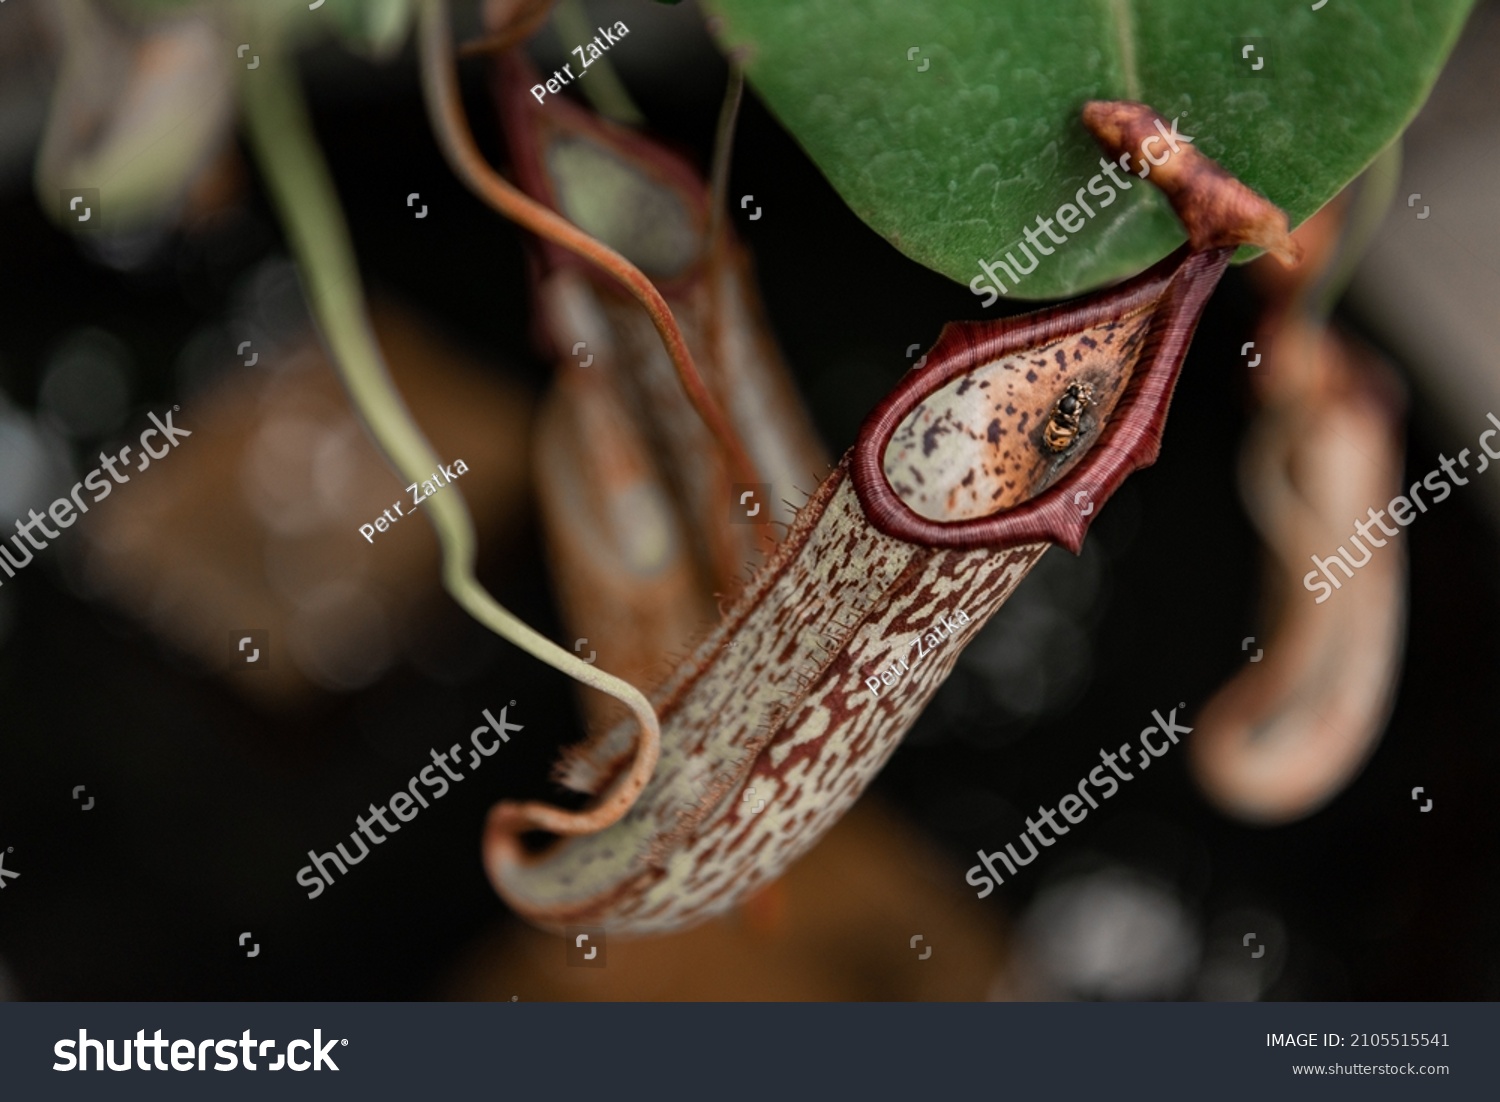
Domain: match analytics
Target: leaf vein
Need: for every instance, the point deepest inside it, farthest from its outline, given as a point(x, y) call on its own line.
point(1121, 11)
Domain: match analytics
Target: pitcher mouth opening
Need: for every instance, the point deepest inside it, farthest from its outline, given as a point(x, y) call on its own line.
point(1043, 492)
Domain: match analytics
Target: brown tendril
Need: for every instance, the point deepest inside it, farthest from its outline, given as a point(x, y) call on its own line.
point(445, 109)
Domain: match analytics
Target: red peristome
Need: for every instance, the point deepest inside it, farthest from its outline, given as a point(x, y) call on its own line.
point(1175, 289)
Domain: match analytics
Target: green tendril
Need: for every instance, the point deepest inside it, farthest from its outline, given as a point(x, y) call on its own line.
point(302, 191)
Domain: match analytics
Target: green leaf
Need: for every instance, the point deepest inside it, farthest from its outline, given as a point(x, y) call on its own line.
point(952, 163)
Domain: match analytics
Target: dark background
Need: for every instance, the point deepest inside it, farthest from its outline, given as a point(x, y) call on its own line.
point(205, 808)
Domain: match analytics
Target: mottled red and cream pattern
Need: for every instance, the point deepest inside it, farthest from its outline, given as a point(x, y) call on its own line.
point(795, 723)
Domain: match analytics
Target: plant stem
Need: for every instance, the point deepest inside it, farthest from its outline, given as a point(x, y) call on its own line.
point(288, 156)
point(715, 247)
point(729, 112)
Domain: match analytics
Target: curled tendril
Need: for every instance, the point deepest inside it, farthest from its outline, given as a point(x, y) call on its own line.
point(303, 193)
